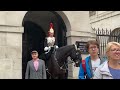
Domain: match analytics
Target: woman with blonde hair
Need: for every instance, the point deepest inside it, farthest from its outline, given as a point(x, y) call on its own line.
point(111, 68)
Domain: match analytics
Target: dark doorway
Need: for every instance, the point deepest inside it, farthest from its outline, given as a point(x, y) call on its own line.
point(33, 39)
point(36, 26)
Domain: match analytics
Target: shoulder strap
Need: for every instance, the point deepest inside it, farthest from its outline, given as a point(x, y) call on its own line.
point(90, 64)
point(102, 60)
point(84, 65)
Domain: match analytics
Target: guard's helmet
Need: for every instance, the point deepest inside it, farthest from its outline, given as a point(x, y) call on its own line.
point(51, 30)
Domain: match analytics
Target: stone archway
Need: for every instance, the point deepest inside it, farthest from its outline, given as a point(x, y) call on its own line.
point(36, 26)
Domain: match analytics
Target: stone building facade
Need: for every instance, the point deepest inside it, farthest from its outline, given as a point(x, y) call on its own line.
point(107, 22)
point(105, 19)
point(13, 30)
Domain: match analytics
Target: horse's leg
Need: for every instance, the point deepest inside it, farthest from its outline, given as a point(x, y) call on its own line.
point(56, 77)
point(47, 75)
point(62, 76)
point(66, 75)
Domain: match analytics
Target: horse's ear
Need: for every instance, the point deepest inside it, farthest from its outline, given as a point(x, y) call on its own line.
point(75, 46)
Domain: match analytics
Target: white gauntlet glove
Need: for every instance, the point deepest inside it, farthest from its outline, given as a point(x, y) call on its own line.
point(46, 49)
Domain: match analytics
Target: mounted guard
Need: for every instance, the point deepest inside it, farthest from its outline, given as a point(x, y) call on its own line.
point(50, 45)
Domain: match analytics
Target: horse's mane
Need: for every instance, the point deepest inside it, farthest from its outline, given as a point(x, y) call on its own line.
point(67, 47)
point(64, 50)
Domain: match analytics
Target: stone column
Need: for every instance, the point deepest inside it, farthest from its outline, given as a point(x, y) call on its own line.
point(80, 31)
point(11, 52)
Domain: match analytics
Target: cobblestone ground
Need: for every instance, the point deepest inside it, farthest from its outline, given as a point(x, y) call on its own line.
point(75, 72)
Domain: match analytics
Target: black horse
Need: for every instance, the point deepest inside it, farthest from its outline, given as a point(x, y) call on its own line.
point(57, 63)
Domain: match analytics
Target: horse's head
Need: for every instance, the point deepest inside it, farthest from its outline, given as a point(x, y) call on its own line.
point(76, 55)
point(58, 60)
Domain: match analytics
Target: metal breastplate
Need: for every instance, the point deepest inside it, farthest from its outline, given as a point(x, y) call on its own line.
point(51, 41)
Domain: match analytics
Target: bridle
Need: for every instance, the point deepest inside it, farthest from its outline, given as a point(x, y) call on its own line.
point(64, 64)
point(60, 67)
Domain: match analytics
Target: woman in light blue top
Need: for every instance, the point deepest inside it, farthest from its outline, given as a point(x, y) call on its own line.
point(111, 68)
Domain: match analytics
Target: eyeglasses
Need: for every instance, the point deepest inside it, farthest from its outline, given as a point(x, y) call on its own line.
point(93, 47)
point(113, 50)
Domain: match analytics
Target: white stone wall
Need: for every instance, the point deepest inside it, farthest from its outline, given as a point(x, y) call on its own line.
point(10, 52)
point(11, 44)
point(107, 19)
point(12, 18)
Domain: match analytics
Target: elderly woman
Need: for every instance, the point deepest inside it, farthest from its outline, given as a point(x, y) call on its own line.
point(111, 68)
